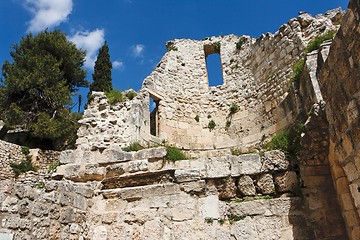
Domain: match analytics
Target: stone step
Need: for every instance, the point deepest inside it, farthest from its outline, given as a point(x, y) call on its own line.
point(139, 192)
point(139, 179)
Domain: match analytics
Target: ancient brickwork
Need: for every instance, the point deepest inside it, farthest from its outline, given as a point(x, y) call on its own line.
point(9, 153)
point(339, 81)
point(121, 123)
point(320, 199)
point(256, 77)
point(141, 196)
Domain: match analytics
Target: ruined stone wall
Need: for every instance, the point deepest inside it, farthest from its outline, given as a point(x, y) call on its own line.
point(12, 153)
point(9, 153)
point(141, 196)
point(339, 82)
point(256, 78)
point(121, 123)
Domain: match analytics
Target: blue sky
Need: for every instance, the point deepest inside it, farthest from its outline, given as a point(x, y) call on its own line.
point(137, 30)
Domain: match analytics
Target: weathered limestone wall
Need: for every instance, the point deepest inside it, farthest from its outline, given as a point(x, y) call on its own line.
point(339, 80)
point(121, 123)
point(12, 153)
point(256, 78)
point(141, 196)
point(9, 153)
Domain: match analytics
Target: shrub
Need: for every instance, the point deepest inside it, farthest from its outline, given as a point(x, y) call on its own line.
point(236, 151)
point(297, 70)
point(234, 108)
point(133, 147)
point(211, 124)
point(130, 94)
point(25, 150)
point(318, 40)
point(288, 141)
point(279, 141)
point(174, 154)
point(240, 43)
point(209, 220)
point(235, 218)
point(221, 221)
point(172, 48)
point(53, 166)
point(197, 118)
point(217, 47)
point(115, 96)
point(23, 166)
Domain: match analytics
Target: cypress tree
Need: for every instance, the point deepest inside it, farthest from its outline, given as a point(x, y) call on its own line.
point(102, 71)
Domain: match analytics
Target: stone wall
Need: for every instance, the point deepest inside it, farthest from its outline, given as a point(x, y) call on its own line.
point(9, 153)
point(142, 196)
point(12, 153)
point(256, 78)
point(339, 81)
point(120, 123)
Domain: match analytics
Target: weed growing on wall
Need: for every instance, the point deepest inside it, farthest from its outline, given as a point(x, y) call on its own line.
point(297, 70)
point(133, 147)
point(23, 166)
point(288, 140)
point(130, 94)
point(174, 154)
point(318, 40)
point(211, 124)
point(115, 96)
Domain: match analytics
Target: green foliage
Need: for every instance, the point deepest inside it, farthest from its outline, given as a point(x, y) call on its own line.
point(211, 124)
point(133, 147)
point(221, 221)
point(23, 166)
point(239, 43)
point(197, 118)
point(172, 48)
point(46, 70)
point(287, 141)
point(14, 115)
point(115, 96)
point(234, 108)
point(217, 47)
point(53, 166)
point(318, 40)
point(209, 220)
point(279, 141)
point(235, 218)
point(40, 185)
point(174, 154)
point(208, 116)
point(297, 70)
point(25, 150)
point(130, 94)
point(102, 71)
point(60, 128)
point(236, 151)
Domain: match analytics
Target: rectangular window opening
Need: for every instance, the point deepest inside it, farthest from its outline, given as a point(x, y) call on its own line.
point(214, 69)
point(154, 116)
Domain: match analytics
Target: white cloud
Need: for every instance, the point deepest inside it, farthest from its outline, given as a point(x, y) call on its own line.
point(47, 13)
point(118, 64)
point(138, 50)
point(90, 42)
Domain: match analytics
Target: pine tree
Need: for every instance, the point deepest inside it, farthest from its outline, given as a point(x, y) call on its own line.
point(102, 71)
point(37, 85)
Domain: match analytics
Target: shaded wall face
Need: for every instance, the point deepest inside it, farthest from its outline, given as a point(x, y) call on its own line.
point(341, 88)
point(256, 77)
